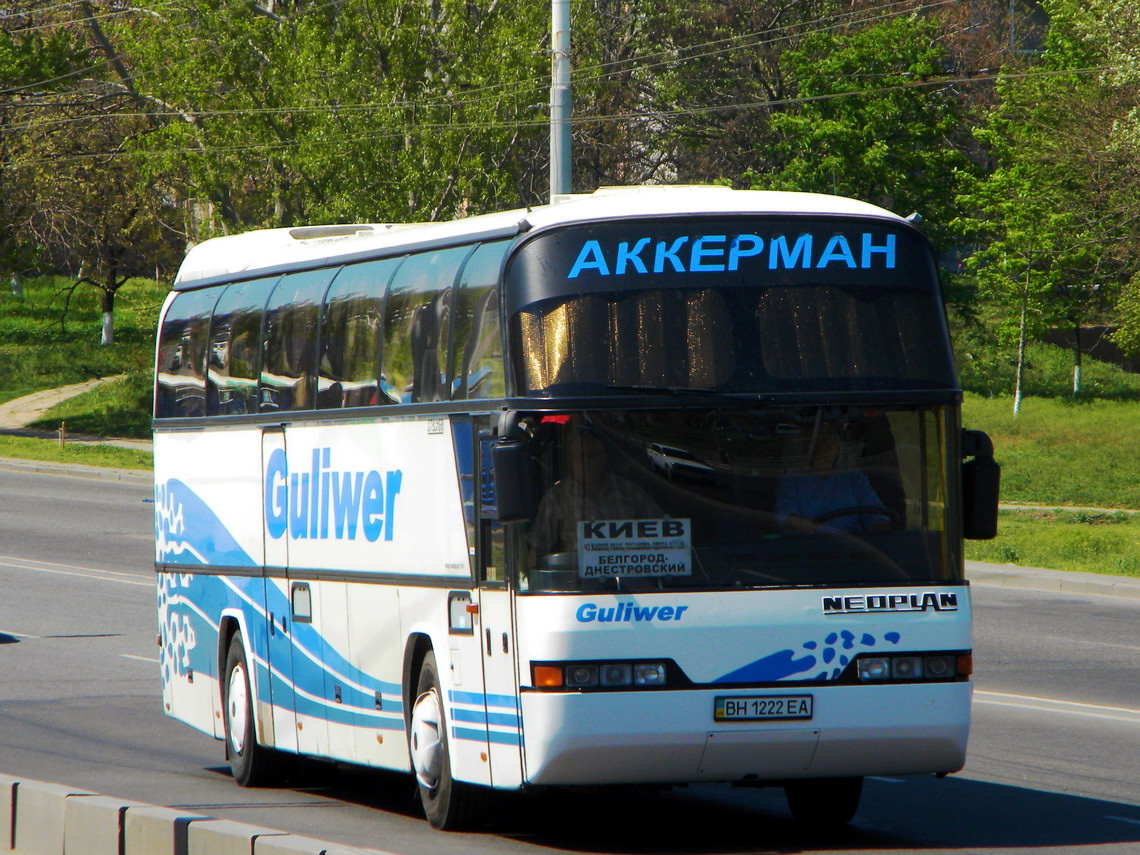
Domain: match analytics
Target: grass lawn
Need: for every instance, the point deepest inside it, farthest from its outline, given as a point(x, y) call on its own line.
point(1067, 540)
point(1064, 454)
point(1056, 452)
point(49, 451)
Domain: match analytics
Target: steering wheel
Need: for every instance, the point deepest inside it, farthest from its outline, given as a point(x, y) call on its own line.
point(854, 510)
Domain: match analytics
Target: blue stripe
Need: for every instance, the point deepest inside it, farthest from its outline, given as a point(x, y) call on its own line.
point(508, 701)
point(479, 717)
point(476, 699)
point(485, 736)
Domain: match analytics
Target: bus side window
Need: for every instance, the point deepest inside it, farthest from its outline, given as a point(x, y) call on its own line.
point(349, 362)
point(181, 388)
point(235, 348)
point(289, 362)
point(492, 564)
point(416, 320)
point(478, 370)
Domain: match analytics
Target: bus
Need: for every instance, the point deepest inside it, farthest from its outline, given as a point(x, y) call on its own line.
point(650, 486)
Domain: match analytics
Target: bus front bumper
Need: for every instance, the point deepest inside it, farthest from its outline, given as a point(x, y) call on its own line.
point(672, 737)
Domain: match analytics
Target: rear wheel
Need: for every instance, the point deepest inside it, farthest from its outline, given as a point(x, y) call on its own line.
point(448, 804)
point(824, 801)
point(253, 765)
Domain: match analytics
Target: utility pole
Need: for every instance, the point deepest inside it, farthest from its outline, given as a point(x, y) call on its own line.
point(559, 98)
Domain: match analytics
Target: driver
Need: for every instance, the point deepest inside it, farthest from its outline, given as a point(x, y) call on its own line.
point(802, 499)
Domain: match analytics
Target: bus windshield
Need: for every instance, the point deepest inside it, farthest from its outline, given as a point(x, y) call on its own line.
point(740, 497)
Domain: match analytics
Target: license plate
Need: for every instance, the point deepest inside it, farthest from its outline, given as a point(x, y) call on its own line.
point(762, 707)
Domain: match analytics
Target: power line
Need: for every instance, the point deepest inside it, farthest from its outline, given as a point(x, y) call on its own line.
point(579, 120)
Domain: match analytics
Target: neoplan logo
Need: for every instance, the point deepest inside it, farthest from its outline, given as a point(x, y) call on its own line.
point(869, 603)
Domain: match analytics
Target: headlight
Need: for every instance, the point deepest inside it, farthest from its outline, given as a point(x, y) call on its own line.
point(581, 676)
point(913, 667)
point(874, 669)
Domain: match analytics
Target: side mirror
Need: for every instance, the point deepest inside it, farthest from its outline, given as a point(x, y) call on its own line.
point(514, 490)
point(981, 481)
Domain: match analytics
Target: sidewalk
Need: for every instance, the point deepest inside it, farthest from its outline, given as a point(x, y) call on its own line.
point(16, 415)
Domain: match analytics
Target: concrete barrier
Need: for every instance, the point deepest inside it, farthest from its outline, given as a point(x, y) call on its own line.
point(291, 844)
point(226, 837)
point(7, 813)
point(41, 818)
point(95, 825)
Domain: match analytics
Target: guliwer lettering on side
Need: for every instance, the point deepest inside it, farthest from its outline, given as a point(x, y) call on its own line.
point(323, 503)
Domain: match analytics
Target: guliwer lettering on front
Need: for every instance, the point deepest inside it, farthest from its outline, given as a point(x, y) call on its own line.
point(720, 254)
point(323, 503)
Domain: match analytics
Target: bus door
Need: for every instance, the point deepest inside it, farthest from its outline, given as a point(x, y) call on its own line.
point(500, 683)
point(483, 692)
point(278, 606)
point(497, 636)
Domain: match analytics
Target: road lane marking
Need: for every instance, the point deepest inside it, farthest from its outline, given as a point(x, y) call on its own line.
point(1053, 705)
point(55, 568)
point(140, 658)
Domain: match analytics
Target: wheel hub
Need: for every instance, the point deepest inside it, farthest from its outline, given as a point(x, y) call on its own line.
point(426, 739)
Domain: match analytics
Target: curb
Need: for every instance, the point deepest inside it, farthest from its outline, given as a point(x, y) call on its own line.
point(1052, 581)
point(78, 470)
point(41, 818)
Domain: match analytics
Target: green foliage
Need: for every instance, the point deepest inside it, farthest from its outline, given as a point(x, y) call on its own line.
point(1127, 337)
point(377, 111)
point(872, 121)
point(39, 59)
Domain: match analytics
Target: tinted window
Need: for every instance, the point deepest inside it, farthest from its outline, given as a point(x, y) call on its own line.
point(416, 321)
point(181, 387)
point(349, 362)
point(478, 367)
point(235, 339)
point(289, 364)
point(748, 305)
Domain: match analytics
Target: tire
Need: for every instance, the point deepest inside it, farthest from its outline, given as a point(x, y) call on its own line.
point(252, 765)
point(824, 802)
point(448, 804)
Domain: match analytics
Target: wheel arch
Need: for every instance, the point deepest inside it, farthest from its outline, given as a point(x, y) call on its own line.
point(416, 649)
point(233, 623)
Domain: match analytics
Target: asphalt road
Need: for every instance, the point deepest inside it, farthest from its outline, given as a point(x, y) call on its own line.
point(1054, 757)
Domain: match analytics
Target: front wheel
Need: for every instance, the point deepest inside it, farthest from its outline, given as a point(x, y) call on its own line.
point(826, 802)
point(448, 804)
point(252, 765)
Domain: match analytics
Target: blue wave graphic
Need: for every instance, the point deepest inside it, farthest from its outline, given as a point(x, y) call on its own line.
point(835, 651)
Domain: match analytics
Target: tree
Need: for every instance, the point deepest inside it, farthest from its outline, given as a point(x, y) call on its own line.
point(1030, 248)
point(34, 65)
point(311, 111)
point(874, 120)
point(1108, 33)
point(1056, 199)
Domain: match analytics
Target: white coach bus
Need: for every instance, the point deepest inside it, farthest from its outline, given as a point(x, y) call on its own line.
point(656, 485)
